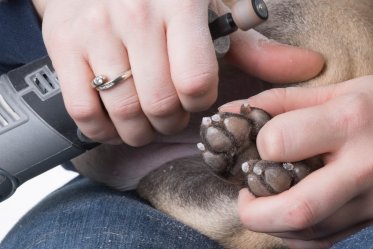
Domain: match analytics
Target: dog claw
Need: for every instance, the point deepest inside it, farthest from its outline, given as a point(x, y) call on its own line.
point(229, 149)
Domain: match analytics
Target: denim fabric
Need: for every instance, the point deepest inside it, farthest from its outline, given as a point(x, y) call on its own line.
point(20, 35)
point(360, 240)
point(83, 215)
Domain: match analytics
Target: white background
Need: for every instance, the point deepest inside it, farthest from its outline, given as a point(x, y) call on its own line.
point(28, 194)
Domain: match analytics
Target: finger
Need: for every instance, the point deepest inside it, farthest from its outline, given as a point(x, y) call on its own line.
point(81, 100)
point(309, 202)
point(151, 70)
point(285, 137)
point(355, 212)
point(271, 61)
point(193, 64)
point(327, 242)
point(302, 133)
point(279, 100)
point(109, 57)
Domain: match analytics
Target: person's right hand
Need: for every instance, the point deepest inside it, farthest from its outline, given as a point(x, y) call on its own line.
point(168, 47)
point(333, 202)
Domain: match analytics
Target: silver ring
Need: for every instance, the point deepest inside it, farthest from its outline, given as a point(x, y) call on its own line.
point(100, 82)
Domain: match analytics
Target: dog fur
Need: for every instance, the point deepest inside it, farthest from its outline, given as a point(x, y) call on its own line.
point(342, 31)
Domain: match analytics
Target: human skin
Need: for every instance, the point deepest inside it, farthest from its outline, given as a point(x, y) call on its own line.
point(336, 122)
point(167, 45)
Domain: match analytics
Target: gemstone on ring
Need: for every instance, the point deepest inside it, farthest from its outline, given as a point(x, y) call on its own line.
point(98, 81)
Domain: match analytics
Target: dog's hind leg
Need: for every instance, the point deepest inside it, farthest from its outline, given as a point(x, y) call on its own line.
point(186, 189)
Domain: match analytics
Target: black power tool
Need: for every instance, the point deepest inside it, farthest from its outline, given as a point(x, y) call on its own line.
point(36, 132)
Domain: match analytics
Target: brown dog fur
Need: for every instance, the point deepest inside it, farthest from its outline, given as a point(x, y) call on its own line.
point(342, 31)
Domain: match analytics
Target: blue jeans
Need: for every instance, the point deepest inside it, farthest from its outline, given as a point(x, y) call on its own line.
point(84, 215)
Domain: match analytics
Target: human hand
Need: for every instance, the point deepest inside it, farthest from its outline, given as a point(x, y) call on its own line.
point(167, 45)
point(333, 121)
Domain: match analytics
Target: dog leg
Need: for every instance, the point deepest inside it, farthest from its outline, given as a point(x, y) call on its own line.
point(186, 189)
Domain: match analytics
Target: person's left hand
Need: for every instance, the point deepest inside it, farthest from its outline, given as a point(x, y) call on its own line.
point(168, 48)
point(333, 202)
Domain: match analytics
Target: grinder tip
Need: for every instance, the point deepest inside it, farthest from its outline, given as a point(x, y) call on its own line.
point(249, 13)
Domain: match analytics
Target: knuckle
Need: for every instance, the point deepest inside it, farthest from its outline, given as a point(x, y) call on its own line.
point(126, 108)
point(81, 112)
point(60, 37)
point(300, 216)
point(162, 107)
point(96, 17)
point(198, 84)
point(354, 117)
point(277, 93)
point(360, 104)
point(362, 178)
point(138, 12)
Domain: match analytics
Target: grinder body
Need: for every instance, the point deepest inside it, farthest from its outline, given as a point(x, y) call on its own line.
point(36, 132)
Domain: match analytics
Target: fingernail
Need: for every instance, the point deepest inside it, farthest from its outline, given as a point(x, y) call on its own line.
point(233, 106)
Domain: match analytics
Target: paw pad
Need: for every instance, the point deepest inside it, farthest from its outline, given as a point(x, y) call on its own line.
point(229, 148)
point(266, 178)
point(228, 137)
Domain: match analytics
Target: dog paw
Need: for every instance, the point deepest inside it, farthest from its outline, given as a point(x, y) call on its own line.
point(266, 178)
point(228, 140)
point(229, 149)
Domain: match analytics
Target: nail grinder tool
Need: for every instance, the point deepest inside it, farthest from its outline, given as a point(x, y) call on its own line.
point(36, 132)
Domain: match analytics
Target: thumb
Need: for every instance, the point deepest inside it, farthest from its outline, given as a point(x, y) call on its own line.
point(279, 100)
point(272, 61)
